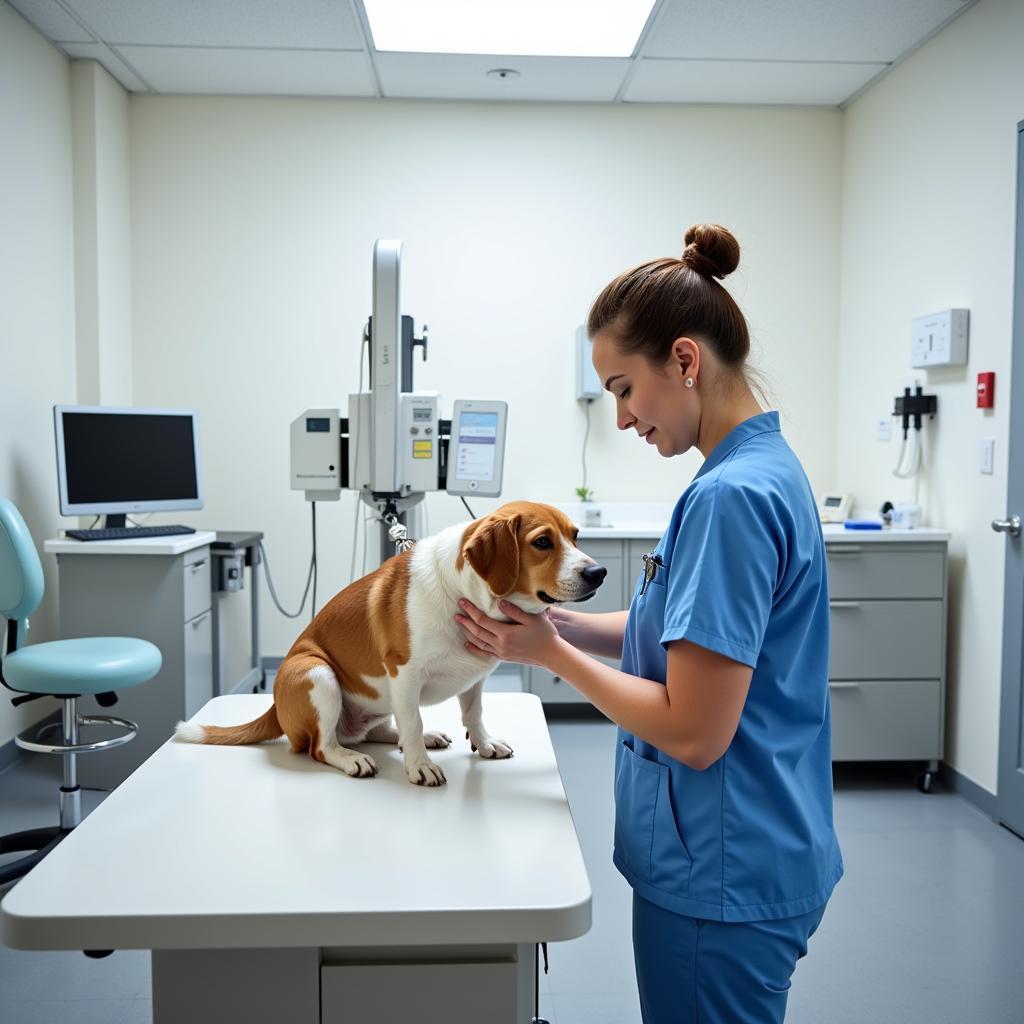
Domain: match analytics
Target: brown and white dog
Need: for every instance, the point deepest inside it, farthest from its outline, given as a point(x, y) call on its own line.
point(388, 643)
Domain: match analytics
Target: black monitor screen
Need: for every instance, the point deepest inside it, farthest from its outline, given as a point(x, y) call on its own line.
point(128, 457)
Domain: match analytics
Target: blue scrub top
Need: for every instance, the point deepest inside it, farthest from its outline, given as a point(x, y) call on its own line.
point(751, 837)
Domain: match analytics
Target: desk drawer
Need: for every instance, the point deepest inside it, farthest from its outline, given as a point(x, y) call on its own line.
point(883, 720)
point(457, 993)
point(858, 571)
point(197, 582)
point(886, 639)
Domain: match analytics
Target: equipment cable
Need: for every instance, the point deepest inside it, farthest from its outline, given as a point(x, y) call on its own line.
point(310, 577)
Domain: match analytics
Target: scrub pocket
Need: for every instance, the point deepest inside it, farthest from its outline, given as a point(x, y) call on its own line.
point(647, 838)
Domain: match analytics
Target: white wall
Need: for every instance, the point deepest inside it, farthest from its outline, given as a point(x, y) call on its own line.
point(64, 277)
point(253, 222)
point(928, 213)
point(37, 357)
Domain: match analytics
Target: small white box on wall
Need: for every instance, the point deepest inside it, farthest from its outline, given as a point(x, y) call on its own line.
point(939, 339)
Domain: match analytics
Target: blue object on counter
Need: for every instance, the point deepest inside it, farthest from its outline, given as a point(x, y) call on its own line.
point(862, 524)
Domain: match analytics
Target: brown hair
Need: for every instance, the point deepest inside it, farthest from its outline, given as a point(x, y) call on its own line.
point(648, 307)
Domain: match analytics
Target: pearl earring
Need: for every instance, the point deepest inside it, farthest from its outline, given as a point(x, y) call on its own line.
point(689, 382)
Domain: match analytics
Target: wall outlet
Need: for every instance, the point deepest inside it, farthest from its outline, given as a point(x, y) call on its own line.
point(985, 454)
point(939, 339)
point(885, 429)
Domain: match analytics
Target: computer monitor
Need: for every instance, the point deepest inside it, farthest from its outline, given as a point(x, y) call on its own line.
point(119, 461)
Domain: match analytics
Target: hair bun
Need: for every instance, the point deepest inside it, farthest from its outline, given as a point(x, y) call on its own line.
point(711, 250)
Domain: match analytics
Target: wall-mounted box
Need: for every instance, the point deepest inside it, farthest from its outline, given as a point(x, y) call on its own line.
point(939, 339)
point(588, 385)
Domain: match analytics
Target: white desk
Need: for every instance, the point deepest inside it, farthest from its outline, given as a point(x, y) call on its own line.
point(262, 879)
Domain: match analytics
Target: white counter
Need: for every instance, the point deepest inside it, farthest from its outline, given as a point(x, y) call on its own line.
point(837, 533)
point(648, 521)
point(175, 544)
point(834, 533)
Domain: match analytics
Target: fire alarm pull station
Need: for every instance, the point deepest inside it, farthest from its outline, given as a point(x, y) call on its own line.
point(986, 390)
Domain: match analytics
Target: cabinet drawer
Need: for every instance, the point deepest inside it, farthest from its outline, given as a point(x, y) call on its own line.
point(882, 720)
point(198, 662)
point(553, 690)
point(858, 571)
point(886, 640)
point(197, 582)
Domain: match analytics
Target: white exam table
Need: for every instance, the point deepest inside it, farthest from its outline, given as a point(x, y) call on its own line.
point(273, 888)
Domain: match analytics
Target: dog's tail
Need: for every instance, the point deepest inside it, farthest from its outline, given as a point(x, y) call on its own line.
point(264, 728)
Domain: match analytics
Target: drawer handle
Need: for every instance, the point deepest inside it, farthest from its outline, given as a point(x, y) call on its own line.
point(199, 619)
point(844, 604)
point(196, 566)
point(844, 686)
point(845, 549)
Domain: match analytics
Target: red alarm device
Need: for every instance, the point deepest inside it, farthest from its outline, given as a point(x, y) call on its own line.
point(986, 390)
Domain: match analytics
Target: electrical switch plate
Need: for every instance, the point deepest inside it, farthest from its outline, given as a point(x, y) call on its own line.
point(939, 339)
point(885, 429)
point(985, 447)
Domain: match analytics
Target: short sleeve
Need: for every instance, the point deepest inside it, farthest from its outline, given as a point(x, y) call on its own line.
point(723, 571)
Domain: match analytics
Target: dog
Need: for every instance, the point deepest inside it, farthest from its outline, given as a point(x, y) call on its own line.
point(388, 644)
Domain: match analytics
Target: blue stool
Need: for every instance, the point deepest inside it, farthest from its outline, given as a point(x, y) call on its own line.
point(65, 669)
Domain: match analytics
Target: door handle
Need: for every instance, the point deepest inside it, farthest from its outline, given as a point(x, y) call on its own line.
point(1010, 526)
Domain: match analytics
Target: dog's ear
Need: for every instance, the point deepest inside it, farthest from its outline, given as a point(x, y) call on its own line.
point(493, 551)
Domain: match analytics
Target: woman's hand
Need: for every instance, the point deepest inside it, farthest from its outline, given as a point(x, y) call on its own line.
point(527, 639)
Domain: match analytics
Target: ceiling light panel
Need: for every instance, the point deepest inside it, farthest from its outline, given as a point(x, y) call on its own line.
point(538, 28)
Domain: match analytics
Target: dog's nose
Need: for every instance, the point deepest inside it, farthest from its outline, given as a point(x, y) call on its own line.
point(594, 574)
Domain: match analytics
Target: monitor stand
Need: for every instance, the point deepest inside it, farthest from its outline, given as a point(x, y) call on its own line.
point(114, 520)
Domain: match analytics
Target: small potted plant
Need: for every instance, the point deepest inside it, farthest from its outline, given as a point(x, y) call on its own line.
point(592, 515)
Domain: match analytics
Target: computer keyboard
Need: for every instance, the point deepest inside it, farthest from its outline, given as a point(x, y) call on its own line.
point(127, 532)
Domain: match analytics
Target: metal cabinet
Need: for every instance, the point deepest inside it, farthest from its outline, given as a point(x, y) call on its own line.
point(165, 599)
point(887, 665)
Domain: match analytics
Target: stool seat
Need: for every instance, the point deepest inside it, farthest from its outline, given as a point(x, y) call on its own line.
point(95, 664)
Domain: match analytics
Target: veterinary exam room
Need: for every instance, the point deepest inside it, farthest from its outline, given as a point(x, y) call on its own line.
point(510, 511)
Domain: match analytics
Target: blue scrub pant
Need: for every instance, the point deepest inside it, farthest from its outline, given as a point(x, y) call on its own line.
point(693, 971)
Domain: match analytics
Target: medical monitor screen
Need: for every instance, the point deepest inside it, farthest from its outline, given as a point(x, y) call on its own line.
point(126, 460)
point(478, 437)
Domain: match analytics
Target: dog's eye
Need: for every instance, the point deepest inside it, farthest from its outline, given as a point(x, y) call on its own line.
point(542, 542)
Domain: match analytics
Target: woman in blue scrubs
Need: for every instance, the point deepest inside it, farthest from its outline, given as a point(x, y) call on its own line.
point(723, 780)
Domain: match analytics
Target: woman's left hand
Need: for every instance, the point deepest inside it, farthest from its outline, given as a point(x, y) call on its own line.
point(527, 639)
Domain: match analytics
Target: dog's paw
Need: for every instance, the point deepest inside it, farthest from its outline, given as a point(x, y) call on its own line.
point(359, 766)
point(489, 747)
point(425, 773)
point(437, 740)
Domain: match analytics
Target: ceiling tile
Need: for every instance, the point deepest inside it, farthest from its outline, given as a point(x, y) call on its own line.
point(725, 81)
point(841, 30)
point(117, 67)
point(464, 76)
point(52, 20)
point(174, 69)
point(313, 24)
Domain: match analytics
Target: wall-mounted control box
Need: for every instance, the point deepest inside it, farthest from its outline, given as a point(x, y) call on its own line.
point(588, 385)
point(939, 339)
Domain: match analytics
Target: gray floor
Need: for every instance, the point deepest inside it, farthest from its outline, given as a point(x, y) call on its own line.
point(926, 927)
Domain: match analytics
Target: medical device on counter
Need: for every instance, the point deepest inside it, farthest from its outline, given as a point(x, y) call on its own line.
point(835, 507)
point(394, 446)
